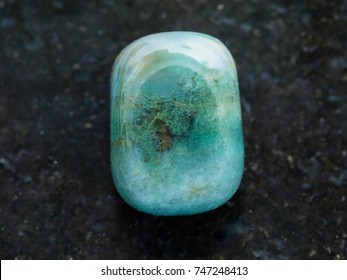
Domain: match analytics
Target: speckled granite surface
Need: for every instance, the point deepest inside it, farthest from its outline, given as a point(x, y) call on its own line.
point(57, 199)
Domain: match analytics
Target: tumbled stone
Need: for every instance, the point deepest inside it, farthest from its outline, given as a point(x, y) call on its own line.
point(176, 131)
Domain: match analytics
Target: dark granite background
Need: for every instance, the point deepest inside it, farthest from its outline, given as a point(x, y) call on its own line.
point(57, 199)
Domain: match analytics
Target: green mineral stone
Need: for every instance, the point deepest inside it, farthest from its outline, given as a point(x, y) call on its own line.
point(176, 130)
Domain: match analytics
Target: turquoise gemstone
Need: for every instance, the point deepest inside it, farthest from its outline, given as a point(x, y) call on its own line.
point(176, 130)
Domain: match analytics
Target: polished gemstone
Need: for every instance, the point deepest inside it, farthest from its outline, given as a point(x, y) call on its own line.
point(176, 130)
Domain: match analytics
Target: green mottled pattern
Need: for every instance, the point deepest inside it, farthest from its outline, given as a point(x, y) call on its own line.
point(176, 131)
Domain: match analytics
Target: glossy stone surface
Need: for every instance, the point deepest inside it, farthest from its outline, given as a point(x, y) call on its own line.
point(176, 131)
